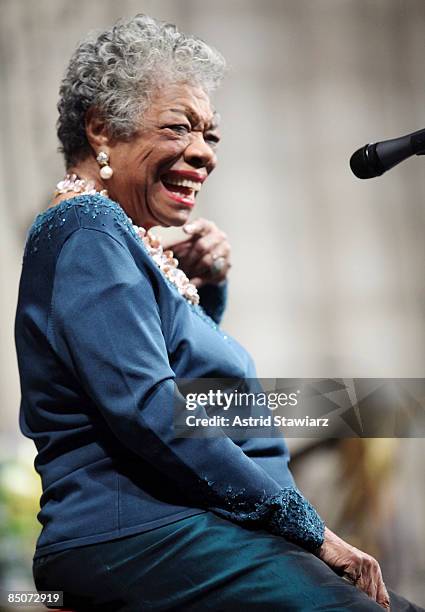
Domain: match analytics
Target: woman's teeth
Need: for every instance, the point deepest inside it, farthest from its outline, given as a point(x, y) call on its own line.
point(193, 185)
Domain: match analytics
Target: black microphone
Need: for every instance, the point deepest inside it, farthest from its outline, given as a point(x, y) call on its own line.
point(375, 159)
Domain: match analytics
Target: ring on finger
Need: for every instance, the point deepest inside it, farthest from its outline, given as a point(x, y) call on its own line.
point(218, 266)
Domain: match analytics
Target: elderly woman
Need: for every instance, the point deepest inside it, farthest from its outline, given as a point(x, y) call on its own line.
point(134, 518)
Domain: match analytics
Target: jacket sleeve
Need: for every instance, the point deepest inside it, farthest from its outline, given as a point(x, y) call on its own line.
point(213, 299)
point(105, 326)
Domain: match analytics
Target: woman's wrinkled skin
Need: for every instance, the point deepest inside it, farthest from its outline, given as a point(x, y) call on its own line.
point(359, 567)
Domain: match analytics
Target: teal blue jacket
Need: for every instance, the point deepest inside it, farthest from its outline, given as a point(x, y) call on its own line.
point(101, 335)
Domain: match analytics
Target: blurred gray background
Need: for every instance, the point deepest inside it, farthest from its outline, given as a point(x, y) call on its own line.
point(327, 276)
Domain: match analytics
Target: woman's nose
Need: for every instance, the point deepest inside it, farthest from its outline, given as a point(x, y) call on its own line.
point(198, 153)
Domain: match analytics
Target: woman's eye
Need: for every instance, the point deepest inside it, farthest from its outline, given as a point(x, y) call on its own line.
point(212, 139)
point(179, 129)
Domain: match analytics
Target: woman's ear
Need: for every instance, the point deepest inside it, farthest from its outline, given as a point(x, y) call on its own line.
point(96, 129)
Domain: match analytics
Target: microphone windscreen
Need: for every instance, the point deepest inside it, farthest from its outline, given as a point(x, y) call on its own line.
point(360, 164)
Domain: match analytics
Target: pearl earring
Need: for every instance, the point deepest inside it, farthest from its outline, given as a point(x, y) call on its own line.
point(105, 169)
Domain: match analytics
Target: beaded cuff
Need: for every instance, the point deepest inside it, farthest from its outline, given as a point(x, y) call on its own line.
point(287, 514)
point(295, 518)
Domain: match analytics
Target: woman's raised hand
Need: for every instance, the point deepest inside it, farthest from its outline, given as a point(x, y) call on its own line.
point(204, 255)
point(359, 567)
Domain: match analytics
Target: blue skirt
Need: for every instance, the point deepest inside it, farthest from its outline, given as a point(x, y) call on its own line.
point(199, 563)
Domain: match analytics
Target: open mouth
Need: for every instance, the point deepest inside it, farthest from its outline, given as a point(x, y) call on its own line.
point(180, 188)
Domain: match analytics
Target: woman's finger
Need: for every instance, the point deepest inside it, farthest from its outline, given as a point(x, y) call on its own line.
point(204, 248)
point(208, 243)
point(372, 583)
point(197, 281)
point(199, 226)
point(210, 261)
point(383, 598)
point(223, 250)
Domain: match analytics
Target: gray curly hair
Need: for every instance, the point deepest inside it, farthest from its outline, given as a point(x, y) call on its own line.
point(117, 71)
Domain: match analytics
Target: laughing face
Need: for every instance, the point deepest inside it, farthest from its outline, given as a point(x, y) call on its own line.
point(160, 171)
